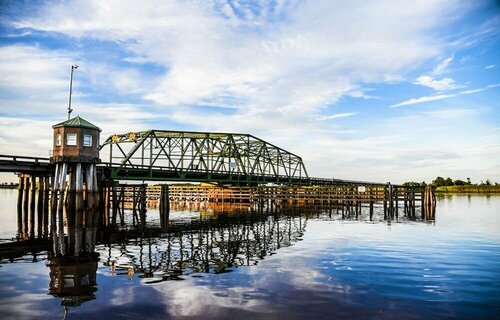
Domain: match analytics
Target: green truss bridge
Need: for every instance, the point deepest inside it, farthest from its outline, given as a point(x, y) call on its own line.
point(223, 158)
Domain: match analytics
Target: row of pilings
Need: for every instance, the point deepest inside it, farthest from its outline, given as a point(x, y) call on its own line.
point(74, 202)
point(410, 197)
point(67, 206)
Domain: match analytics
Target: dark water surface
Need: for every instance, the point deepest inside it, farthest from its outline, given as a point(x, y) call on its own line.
point(291, 265)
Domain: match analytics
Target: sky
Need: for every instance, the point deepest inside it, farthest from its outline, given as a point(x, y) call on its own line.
point(366, 90)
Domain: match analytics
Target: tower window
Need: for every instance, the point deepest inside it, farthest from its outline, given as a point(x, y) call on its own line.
point(87, 140)
point(58, 140)
point(71, 139)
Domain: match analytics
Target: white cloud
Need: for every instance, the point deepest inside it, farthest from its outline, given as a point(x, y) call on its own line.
point(259, 60)
point(423, 99)
point(442, 96)
point(491, 66)
point(337, 116)
point(32, 78)
point(438, 85)
point(441, 67)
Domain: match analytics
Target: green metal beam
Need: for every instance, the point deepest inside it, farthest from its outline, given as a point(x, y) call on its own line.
point(207, 156)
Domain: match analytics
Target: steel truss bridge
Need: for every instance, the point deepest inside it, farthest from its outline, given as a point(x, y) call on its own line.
point(219, 158)
point(201, 156)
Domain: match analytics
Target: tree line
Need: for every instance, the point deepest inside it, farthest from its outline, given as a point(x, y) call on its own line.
point(442, 182)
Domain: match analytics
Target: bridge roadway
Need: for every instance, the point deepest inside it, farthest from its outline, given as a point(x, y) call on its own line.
point(43, 166)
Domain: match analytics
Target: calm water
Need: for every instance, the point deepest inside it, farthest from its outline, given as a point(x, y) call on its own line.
point(292, 265)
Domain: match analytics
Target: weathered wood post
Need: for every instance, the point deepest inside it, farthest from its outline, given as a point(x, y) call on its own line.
point(396, 200)
point(143, 205)
point(53, 208)
point(114, 204)
point(20, 193)
point(106, 203)
point(371, 204)
point(32, 206)
point(386, 195)
point(26, 205)
point(429, 206)
point(60, 208)
point(39, 211)
point(46, 202)
point(164, 206)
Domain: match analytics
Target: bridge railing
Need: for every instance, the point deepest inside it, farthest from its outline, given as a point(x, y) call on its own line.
point(14, 158)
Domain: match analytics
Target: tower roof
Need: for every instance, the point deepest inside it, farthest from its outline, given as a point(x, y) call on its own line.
point(76, 122)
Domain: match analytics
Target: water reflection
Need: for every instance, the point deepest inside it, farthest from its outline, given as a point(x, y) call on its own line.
point(200, 238)
point(214, 244)
point(73, 279)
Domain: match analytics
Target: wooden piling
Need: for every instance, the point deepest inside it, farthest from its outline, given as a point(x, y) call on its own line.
point(60, 209)
point(20, 193)
point(26, 202)
point(46, 201)
point(53, 208)
point(39, 214)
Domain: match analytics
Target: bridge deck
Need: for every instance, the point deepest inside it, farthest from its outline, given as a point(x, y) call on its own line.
point(22, 164)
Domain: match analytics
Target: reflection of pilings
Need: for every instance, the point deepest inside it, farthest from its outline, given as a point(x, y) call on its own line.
point(215, 245)
point(73, 278)
point(242, 235)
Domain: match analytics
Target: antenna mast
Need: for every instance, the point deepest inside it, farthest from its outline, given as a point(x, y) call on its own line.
point(73, 67)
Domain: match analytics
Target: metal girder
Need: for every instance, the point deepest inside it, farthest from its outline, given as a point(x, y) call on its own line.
point(201, 156)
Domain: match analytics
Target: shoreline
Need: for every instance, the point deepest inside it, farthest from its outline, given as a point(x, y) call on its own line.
point(469, 189)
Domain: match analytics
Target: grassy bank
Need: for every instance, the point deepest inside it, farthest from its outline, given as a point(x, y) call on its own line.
point(469, 189)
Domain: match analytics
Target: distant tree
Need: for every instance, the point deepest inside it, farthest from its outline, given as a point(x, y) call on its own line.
point(413, 184)
point(488, 182)
point(448, 182)
point(459, 182)
point(468, 181)
point(439, 182)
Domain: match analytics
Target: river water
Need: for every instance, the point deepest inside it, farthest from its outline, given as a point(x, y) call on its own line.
point(285, 265)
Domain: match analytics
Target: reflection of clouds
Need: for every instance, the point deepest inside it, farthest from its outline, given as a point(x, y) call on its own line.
point(258, 287)
point(26, 305)
point(122, 296)
point(186, 298)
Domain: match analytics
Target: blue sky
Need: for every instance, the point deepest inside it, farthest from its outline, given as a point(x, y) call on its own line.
point(369, 90)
